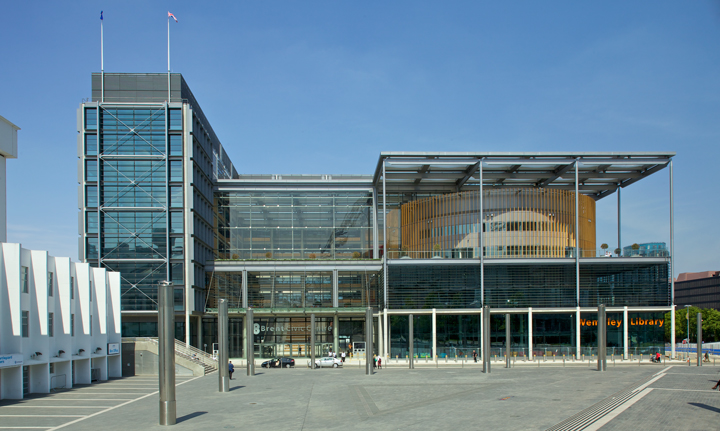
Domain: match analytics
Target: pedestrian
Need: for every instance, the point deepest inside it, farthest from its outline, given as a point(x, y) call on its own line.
point(475, 356)
point(717, 385)
point(334, 355)
point(299, 350)
point(379, 362)
point(330, 353)
point(231, 369)
point(375, 359)
point(342, 356)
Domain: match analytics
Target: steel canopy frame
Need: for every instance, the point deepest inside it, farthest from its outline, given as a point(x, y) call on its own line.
point(599, 174)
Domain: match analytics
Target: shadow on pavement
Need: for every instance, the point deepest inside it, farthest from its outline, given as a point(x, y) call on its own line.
point(706, 407)
point(190, 416)
point(236, 388)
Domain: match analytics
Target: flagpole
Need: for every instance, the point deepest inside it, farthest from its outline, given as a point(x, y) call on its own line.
point(102, 62)
point(168, 24)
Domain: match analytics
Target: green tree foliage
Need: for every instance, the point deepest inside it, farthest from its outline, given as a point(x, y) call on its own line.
point(710, 324)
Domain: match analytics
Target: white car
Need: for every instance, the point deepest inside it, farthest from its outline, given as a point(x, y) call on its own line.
point(327, 362)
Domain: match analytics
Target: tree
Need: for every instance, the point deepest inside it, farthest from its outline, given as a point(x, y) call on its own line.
point(710, 324)
point(635, 246)
point(604, 246)
point(618, 251)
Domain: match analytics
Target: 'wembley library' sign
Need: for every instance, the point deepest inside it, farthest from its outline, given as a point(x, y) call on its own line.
point(635, 321)
point(11, 360)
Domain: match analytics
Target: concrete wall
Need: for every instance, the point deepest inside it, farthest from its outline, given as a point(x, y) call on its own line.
point(144, 356)
point(71, 292)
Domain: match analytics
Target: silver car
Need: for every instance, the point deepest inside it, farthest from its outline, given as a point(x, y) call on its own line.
point(327, 362)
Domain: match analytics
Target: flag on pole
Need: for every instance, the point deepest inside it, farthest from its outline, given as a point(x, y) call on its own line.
point(172, 16)
point(101, 15)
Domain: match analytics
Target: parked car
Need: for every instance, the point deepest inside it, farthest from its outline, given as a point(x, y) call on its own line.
point(279, 363)
point(326, 362)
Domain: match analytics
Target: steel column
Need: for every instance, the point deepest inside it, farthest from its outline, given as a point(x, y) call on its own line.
point(166, 353)
point(481, 238)
point(672, 333)
point(577, 236)
point(336, 334)
point(223, 355)
point(530, 333)
point(626, 339)
point(699, 340)
point(434, 333)
point(577, 333)
point(602, 338)
point(508, 341)
point(368, 342)
point(411, 343)
point(486, 339)
point(312, 341)
point(250, 342)
point(385, 250)
point(619, 221)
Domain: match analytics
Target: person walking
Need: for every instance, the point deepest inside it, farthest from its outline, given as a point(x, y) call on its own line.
point(475, 356)
point(231, 369)
point(342, 356)
point(379, 362)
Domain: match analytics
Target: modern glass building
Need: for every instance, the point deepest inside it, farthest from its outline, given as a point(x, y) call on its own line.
point(433, 235)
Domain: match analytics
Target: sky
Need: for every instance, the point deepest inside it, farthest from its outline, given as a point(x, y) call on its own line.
point(294, 87)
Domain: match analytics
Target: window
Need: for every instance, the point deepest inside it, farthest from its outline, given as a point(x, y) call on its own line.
point(176, 145)
point(176, 173)
point(72, 325)
point(25, 324)
point(25, 279)
point(52, 368)
point(51, 325)
point(91, 118)
point(91, 145)
point(91, 173)
point(72, 287)
point(50, 284)
point(175, 119)
point(91, 196)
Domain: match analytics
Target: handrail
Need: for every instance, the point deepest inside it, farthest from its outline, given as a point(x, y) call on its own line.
point(188, 352)
point(58, 378)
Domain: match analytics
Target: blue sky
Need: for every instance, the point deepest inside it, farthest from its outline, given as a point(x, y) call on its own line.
point(324, 87)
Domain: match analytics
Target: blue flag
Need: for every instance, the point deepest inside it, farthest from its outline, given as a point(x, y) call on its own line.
point(101, 15)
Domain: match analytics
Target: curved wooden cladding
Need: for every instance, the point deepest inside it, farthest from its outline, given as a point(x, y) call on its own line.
point(519, 222)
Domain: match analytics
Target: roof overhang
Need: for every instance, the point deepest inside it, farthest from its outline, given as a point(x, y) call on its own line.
point(599, 174)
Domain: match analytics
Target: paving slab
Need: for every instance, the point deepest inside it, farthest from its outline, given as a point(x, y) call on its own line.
point(520, 398)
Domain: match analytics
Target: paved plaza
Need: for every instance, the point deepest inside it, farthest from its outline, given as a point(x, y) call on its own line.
point(452, 396)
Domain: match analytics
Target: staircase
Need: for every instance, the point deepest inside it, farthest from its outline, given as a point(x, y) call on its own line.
point(192, 354)
point(197, 355)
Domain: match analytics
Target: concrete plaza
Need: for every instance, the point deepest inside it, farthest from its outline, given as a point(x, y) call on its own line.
point(448, 397)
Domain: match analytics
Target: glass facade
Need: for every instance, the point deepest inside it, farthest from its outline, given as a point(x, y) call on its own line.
point(527, 285)
point(128, 169)
point(293, 225)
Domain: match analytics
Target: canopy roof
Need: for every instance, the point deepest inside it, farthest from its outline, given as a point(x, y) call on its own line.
point(599, 174)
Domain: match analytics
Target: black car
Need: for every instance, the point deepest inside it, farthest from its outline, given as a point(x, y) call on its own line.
point(279, 363)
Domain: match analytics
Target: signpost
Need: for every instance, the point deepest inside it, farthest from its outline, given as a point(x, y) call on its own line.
point(250, 342)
